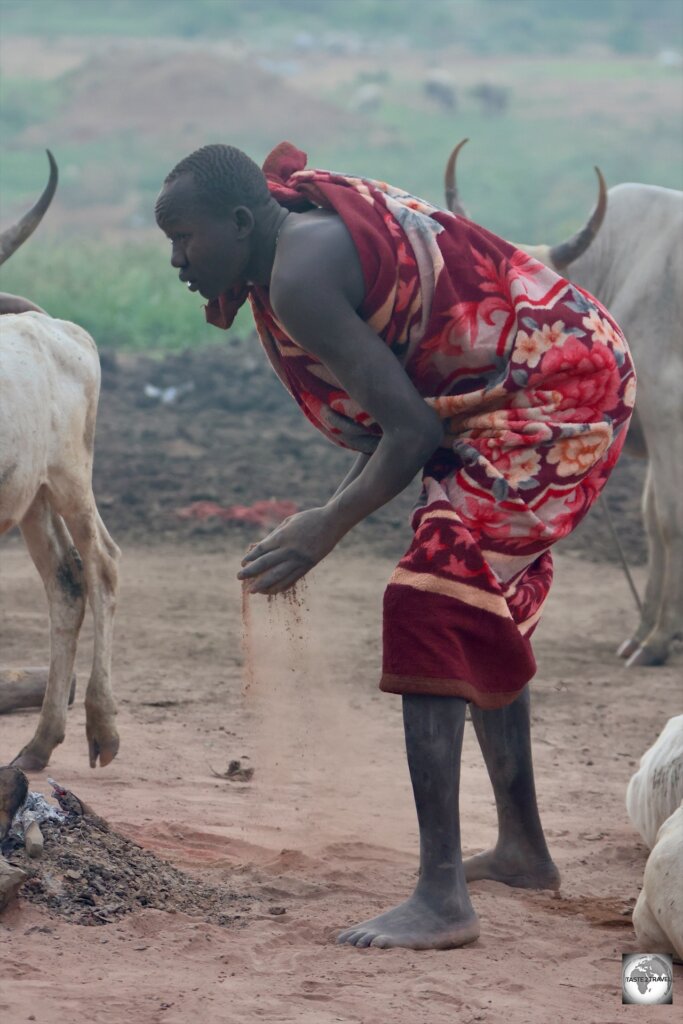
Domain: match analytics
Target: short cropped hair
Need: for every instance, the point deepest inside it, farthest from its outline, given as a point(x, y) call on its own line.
point(224, 177)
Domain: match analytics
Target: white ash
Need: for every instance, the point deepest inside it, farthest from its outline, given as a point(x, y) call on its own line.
point(34, 808)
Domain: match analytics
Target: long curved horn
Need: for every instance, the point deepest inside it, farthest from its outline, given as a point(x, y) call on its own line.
point(452, 201)
point(13, 237)
point(566, 252)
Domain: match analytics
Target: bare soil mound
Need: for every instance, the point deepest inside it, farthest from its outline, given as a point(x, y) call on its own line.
point(183, 99)
point(230, 434)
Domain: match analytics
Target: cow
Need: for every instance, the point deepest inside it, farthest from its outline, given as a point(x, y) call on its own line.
point(658, 913)
point(655, 790)
point(439, 86)
point(630, 257)
point(654, 802)
point(49, 390)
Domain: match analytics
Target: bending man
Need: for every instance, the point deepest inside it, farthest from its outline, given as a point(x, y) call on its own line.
point(426, 344)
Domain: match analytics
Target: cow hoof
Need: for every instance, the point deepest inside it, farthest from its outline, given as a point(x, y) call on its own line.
point(628, 648)
point(645, 656)
point(105, 749)
point(29, 762)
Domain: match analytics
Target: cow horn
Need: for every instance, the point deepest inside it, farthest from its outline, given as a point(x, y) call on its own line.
point(566, 252)
point(452, 201)
point(13, 237)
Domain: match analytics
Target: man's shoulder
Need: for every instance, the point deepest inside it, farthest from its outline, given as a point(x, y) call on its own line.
point(316, 251)
point(317, 231)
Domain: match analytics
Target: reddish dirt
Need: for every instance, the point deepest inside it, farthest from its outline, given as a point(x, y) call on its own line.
point(325, 829)
point(219, 896)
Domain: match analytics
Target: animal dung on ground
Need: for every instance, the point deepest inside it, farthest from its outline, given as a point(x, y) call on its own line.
point(235, 772)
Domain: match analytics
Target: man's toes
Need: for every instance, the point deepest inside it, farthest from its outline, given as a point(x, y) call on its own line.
point(381, 942)
point(350, 936)
point(365, 940)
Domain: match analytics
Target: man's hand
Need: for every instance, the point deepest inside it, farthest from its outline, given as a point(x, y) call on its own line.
point(287, 554)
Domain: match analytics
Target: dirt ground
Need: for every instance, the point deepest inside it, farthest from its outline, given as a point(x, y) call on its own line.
point(323, 834)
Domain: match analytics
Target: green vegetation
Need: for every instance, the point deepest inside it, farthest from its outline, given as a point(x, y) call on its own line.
point(581, 82)
point(482, 26)
point(21, 100)
point(126, 296)
point(527, 173)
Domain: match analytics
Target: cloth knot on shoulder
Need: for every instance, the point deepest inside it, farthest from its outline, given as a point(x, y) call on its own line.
point(279, 167)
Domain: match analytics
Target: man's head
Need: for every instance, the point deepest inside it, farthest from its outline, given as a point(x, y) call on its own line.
point(208, 207)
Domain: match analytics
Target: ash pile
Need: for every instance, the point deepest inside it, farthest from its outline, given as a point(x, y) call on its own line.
point(66, 858)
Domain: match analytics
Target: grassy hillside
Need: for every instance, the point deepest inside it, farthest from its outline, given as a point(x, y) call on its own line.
point(481, 26)
point(118, 111)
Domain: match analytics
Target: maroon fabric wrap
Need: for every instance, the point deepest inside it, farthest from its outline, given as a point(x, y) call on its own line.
point(535, 387)
point(284, 161)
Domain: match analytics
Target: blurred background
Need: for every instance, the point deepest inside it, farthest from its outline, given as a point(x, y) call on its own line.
point(120, 90)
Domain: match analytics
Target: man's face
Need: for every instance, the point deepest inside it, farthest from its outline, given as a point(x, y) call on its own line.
point(210, 251)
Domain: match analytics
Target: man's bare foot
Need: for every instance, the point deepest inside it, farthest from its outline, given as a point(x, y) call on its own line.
point(415, 925)
point(516, 870)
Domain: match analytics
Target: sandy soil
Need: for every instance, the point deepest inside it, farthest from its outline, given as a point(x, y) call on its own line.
point(326, 829)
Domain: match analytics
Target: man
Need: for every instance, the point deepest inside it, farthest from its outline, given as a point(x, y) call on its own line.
point(424, 343)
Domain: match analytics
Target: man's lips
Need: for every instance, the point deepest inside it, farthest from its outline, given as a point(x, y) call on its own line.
point(191, 283)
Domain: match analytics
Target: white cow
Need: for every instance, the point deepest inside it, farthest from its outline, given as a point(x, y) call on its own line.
point(655, 791)
point(658, 913)
point(654, 801)
point(634, 265)
point(49, 389)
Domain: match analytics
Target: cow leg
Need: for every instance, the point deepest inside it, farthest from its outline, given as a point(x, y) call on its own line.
point(61, 570)
point(100, 557)
point(655, 572)
point(667, 484)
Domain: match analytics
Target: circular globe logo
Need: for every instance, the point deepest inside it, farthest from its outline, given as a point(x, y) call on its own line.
point(646, 978)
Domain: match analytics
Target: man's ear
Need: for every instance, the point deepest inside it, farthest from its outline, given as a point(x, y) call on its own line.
point(244, 221)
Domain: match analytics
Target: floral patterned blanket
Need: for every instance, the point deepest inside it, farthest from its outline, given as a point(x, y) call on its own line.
point(535, 385)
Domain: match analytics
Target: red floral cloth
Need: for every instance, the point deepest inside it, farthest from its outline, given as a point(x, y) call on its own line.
point(535, 385)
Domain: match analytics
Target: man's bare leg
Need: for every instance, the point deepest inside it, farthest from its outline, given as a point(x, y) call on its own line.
point(439, 914)
point(521, 856)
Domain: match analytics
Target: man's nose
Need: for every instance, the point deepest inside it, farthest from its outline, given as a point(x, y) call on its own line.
point(178, 259)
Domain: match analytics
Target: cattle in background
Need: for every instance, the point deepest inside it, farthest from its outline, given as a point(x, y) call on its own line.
point(493, 99)
point(634, 266)
point(439, 86)
point(49, 389)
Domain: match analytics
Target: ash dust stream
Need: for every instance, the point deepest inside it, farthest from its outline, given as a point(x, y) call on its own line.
point(318, 730)
point(294, 712)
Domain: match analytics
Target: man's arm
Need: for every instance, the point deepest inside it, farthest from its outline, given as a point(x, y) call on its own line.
point(313, 293)
point(315, 290)
point(357, 468)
